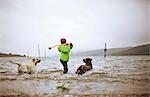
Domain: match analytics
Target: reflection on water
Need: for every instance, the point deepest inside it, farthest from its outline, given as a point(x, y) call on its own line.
point(115, 75)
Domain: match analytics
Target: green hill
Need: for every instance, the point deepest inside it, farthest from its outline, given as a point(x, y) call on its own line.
point(138, 50)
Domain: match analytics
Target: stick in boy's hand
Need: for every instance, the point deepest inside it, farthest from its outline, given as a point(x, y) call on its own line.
point(58, 45)
point(49, 48)
point(54, 46)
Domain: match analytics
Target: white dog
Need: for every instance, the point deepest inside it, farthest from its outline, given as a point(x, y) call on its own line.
point(27, 67)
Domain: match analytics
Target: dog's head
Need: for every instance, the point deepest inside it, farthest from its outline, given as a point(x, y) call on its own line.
point(86, 60)
point(36, 61)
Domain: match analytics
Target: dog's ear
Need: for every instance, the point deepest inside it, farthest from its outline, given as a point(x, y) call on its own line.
point(84, 60)
point(33, 59)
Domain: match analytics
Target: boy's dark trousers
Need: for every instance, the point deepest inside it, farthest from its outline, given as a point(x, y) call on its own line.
point(64, 63)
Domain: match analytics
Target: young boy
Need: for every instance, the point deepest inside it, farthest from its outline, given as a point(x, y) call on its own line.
point(64, 49)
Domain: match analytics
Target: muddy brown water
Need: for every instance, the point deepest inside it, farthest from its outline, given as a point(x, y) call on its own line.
point(114, 76)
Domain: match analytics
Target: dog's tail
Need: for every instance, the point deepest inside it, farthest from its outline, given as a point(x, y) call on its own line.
point(14, 62)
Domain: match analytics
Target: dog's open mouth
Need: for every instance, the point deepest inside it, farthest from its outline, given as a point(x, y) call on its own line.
point(38, 61)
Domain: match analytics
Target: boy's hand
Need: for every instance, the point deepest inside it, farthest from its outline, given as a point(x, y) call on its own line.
point(71, 44)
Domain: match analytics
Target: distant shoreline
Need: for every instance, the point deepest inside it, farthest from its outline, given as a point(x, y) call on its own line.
point(126, 51)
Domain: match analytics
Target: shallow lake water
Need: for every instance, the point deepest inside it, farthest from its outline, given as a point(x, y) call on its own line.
point(114, 76)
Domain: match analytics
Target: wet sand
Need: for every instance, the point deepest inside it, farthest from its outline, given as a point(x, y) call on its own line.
point(116, 76)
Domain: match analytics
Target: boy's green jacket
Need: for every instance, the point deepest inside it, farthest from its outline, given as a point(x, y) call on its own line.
point(64, 50)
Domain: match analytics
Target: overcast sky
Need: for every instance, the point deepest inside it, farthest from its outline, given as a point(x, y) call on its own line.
point(88, 24)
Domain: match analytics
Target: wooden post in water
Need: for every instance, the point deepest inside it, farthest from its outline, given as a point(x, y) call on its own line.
point(39, 50)
point(105, 51)
point(44, 53)
point(27, 54)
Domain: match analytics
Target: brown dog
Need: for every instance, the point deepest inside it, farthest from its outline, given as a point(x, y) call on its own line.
point(83, 68)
